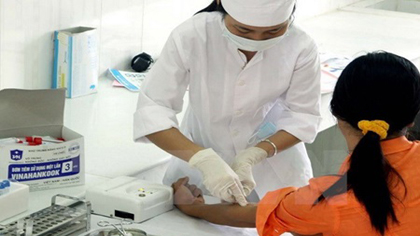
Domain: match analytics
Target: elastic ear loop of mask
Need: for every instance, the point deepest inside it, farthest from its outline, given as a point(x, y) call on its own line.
point(254, 136)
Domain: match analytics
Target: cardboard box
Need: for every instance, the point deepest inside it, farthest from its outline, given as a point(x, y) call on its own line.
point(76, 61)
point(39, 112)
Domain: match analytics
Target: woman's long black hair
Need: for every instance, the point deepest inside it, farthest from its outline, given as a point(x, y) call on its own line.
point(377, 86)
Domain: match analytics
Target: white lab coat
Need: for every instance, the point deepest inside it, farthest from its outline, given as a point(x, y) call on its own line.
point(230, 99)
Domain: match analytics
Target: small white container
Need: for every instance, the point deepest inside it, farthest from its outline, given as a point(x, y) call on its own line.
point(15, 201)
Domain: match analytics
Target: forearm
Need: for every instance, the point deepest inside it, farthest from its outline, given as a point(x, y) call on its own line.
point(282, 139)
point(223, 214)
point(175, 143)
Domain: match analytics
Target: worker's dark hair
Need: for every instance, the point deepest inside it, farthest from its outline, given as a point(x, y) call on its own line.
point(377, 86)
point(213, 7)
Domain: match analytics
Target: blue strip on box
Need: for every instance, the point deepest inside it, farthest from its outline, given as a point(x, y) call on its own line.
point(70, 70)
point(46, 170)
point(120, 78)
point(55, 76)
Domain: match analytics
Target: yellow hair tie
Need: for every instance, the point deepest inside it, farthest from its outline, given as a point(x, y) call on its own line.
point(379, 127)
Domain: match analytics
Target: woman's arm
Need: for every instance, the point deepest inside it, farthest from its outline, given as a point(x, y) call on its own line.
point(222, 214)
point(189, 200)
point(282, 139)
point(175, 143)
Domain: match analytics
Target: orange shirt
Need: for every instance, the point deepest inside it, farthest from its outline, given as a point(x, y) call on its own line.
point(292, 210)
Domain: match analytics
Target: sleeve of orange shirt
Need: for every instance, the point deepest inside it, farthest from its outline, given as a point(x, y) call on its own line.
point(293, 210)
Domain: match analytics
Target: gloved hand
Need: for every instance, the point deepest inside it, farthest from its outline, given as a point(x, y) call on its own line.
point(218, 177)
point(243, 164)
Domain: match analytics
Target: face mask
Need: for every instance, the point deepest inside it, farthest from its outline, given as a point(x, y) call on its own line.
point(266, 130)
point(249, 44)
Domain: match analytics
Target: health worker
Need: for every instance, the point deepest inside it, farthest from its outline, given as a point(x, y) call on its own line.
point(253, 81)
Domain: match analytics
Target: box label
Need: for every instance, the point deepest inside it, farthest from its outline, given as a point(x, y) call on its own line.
point(16, 154)
point(46, 170)
point(46, 166)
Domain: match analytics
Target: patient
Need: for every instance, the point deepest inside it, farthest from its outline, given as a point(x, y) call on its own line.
point(377, 190)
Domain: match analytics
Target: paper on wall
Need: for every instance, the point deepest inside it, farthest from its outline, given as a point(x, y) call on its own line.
point(331, 68)
point(130, 80)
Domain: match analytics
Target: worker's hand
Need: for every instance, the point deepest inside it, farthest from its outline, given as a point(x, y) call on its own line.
point(243, 164)
point(218, 177)
point(186, 194)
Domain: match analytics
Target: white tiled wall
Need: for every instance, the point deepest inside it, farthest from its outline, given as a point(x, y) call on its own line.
point(26, 37)
point(121, 32)
point(161, 16)
point(126, 27)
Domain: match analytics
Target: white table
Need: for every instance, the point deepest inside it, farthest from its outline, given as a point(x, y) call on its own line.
point(170, 223)
point(175, 222)
point(39, 200)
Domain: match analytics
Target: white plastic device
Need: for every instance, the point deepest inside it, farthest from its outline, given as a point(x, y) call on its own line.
point(15, 201)
point(130, 198)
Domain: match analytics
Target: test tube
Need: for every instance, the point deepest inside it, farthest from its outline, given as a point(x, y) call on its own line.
point(20, 227)
point(29, 223)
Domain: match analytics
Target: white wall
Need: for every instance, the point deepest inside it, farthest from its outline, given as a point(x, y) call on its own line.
point(161, 16)
point(309, 8)
point(27, 26)
point(409, 6)
point(121, 32)
point(126, 28)
point(26, 31)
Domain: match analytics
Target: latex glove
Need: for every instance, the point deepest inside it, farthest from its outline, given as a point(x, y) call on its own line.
point(243, 164)
point(218, 177)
